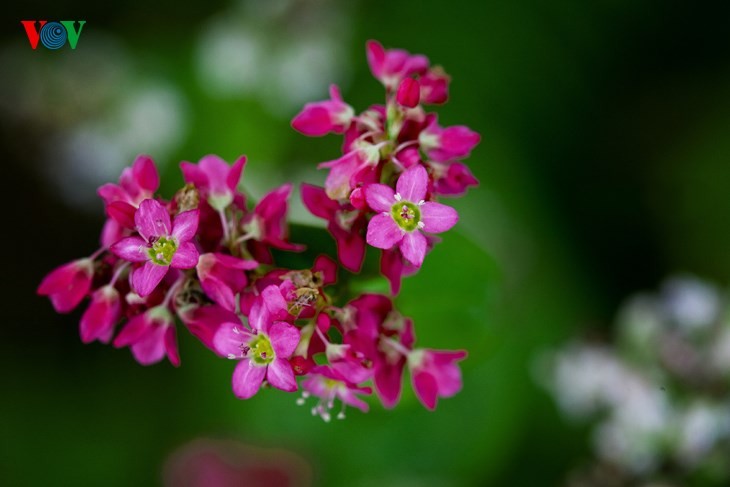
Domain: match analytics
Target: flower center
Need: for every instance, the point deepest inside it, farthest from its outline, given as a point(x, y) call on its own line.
point(406, 215)
point(162, 251)
point(261, 351)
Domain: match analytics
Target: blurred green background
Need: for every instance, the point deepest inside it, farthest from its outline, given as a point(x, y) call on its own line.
point(604, 166)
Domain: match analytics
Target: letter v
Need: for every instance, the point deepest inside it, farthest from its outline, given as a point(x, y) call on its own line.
point(31, 32)
point(73, 34)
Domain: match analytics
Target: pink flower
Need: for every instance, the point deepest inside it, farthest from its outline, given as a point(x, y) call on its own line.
point(162, 245)
point(451, 179)
point(444, 144)
point(97, 322)
point(267, 226)
point(392, 65)
point(434, 374)
point(328, 385)
point(323, 117)
point(403, 214)
point(151, 336)
point(354, 168)
point(344, 222)
point(263, 350)
point(435, 86)
point(222, 277)
point(121, 200)
point(409, 93)
point(66, 286)
point(203, 322)
point(215, 179)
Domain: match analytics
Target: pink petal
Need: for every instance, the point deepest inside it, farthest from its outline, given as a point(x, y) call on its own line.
point(376, 57)
point(284, 338)
point(228, 339)
point(110, 192)
point(413, 248)
point(387, 382)
point(133, 249)
point(235, 262)
point(327, 267)
point(192, 173)
point(101, 315)
point(380, 197)
point(314, 120)
point(150, 348)
point(145, 173)
point(146, 278)
point(185, 225)
point(186, 256)
point(122, 213)
point(219, 292)
point(132, 331)
point(383, 232)
point(438, 218)
point(171, 349)
point(350, 248)
point(280, 375)
point(152, 219)
point(247, 379)
point(412, 184)
point(216, 169)
point(317, 201)
point(234, 174)
point(426, 389)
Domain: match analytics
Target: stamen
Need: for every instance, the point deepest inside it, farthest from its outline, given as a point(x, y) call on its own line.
point(421, 225)
point(421, 203)
point(398, 197)
point(231, 356)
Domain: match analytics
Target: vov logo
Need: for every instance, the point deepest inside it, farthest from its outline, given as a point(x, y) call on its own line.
point(53, 35)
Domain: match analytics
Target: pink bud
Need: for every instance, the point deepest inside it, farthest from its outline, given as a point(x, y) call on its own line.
point(409, 92)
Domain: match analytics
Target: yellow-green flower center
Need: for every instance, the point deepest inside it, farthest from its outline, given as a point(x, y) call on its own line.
point(261, 351)
point(162, 251)
point(406, 215)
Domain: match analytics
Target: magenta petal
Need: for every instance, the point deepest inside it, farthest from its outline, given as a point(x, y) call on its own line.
point(247, 379)
point(380, 197)
point(133, 249)
point(284, 338)
point(438, 218)
point(146, 278)
point(234, 174)
point(150, 348)
point(383, 232)
point(426, 389)
point(185, 225)
point(122, 213)
point(413, 248)
point(219, 292)
point(173, 354)
point(317, 201)
point(192, 173)
point(132, 331)
point(376, 57)
point(350, 249)
point(387, 382)
point(145, 173)
point(100, 317)
point(280, 375)
point(412, 184)
point(186, 256)
point(228, 339)
point(152, 219)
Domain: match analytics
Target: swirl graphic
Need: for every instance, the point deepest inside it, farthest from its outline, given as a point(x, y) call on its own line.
point(53, 35)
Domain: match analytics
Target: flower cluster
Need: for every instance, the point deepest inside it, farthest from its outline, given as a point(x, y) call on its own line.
point(662, 391)
point(396, 160)
point(204, 258)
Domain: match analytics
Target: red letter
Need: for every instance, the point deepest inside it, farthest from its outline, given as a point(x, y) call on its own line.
point(31, 31)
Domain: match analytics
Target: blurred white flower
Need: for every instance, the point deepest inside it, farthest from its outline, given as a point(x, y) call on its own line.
point(690, 303)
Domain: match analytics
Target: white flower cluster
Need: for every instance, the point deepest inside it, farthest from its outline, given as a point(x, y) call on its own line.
point(661, 391)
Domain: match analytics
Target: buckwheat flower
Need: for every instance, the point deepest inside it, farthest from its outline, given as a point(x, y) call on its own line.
point(162, 245)
point(435, 86)
point(344, 222)
point(97, 322)
point(404, 213)
point(323, 117)
point(266, 226)
point(263, 350)
point(151, 336)
point(223, 276)
point(215, 179)
point(392, 65)
point(67, 285)
point(444, 144)
point(434, 374)
point(329, 385)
